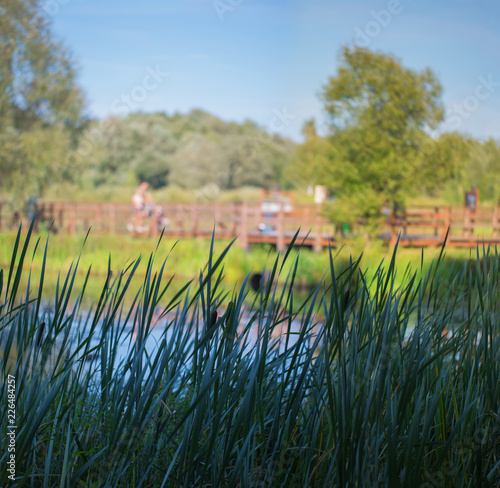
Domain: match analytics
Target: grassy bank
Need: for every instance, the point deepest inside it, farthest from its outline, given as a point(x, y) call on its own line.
point(189, 257)
point(397, 386)
point(185, 260)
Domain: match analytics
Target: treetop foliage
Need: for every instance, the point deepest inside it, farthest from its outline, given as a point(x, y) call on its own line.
point(187, 150)
point(378, 148)
point(378, 112)
point(41, 106)
point(373, 89)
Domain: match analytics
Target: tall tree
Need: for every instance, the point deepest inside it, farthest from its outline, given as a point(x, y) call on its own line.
point(311, 159)
point(378, 113)
point(443, 160)
point(41, 106)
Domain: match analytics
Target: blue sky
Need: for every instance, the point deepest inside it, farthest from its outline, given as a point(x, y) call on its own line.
point(252, 59)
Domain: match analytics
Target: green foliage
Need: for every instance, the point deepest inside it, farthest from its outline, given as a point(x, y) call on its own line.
point(189, 151)
point(379, 150)
point(378, 111)
point(373, 91)
point(152, 173)
point(41, 107)
point(454, 162)
point(443, 159)
point(311, 160)
point(483, 169)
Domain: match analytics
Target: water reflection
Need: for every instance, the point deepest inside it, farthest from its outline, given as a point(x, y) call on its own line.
point(281, 330)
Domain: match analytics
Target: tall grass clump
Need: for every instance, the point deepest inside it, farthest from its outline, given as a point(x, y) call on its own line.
point(363, 383)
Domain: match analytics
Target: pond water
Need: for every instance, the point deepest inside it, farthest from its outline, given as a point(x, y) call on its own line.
point(163, 328)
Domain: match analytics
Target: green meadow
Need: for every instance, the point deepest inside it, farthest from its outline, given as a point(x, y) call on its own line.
point(187, 257)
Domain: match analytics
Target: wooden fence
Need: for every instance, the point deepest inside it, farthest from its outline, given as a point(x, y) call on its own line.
point(427, 226)
point(250, 222)
point(253, 223)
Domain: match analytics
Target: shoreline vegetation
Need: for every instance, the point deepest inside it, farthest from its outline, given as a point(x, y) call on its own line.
point(187, 256)
point(397, 384)
point(101, 254)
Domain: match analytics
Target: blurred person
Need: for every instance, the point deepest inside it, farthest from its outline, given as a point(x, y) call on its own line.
point(139, 204)
point(149, 204)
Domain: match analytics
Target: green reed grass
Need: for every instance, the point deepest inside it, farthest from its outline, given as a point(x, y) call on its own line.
point(397, 385)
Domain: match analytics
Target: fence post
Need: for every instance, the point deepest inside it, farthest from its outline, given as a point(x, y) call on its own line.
point(218, 224)
point(52, 220)
point(178, 217)
point(112, 218)
point(235, 215)
point(258, 216)
point(280, 227)
point(317, 235)
point(495, 223)
point(243, 227)
point(448, 222)
point(153, 225)
point(38, 213)
point(194, 219)
point(99, 220)
point(59, 216)
point(466, 221)
point(72, 218)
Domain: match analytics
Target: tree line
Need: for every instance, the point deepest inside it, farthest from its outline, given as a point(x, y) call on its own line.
point(186, 150)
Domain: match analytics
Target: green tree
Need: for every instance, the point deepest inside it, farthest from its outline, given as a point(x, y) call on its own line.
point(191, 151)
point(454, 162)
point(483, 170)
point(152, 173)
point(311, 160)
point(41, 106)
point(378, 113)
point(443, 160)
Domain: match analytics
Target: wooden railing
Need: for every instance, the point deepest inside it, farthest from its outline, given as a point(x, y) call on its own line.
point(426, 226)
point(250, 222)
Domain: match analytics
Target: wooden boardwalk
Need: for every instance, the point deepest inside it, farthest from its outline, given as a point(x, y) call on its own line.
point(250, 222)
point(253, 223)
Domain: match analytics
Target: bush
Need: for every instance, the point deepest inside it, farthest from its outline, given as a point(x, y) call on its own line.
point(156, 175)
